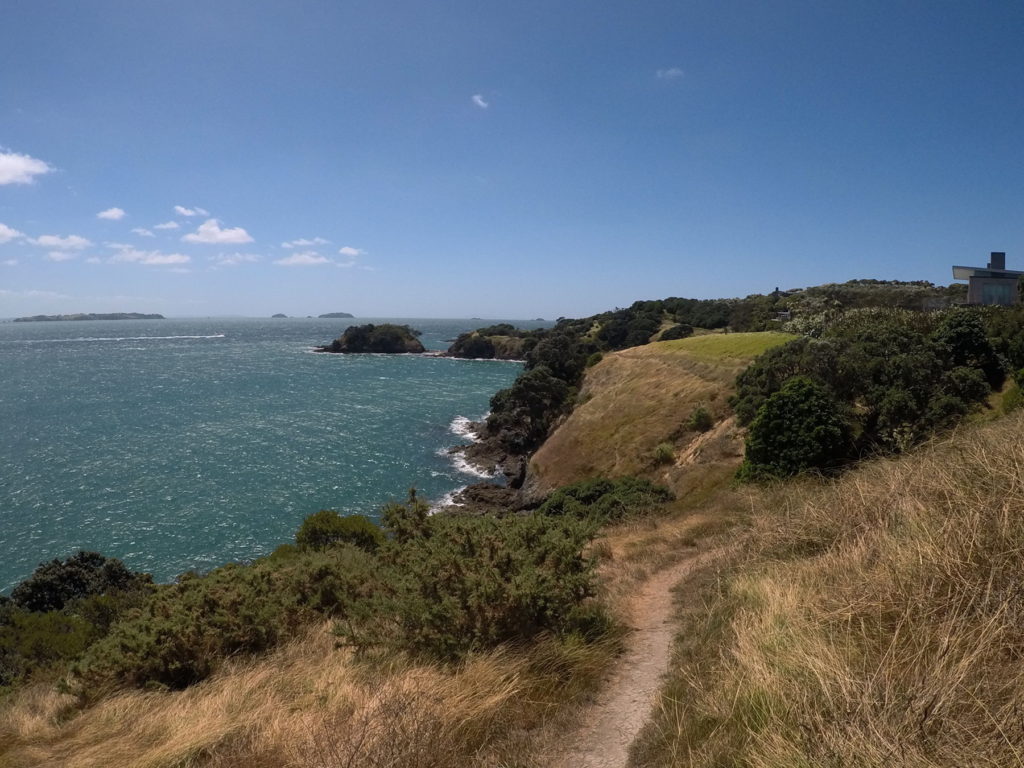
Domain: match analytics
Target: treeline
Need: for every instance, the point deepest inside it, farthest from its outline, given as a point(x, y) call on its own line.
point(522, 415)
point(874, 381)
point(434, 586)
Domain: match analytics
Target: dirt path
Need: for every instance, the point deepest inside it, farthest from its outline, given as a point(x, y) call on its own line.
point(622, 708)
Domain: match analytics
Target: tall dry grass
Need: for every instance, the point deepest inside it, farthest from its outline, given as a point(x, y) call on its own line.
point(312, 705)
point(877, 621)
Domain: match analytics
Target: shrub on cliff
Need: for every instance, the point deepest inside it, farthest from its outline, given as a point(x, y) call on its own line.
point(522, 414)
point(678, 331)
point(54, 584)
point(186, 630)
point(327, 528)
point(605, 500)
point(458, 583)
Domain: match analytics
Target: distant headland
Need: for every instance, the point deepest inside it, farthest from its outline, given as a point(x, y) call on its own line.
point(89, 316)
point(336, 315)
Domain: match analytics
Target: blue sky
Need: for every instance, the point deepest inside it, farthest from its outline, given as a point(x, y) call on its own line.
point(526, 159)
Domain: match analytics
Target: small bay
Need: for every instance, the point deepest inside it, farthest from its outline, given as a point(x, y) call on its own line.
point(186, 443)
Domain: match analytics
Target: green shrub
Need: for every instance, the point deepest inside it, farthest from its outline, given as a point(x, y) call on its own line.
point(679, 331)
point(605, 500)
point(701, 419)
point(594, 359)
point(457, 583)
point(32, 642)
point(186, 630)
point(54, 584)
point(800, 427)
point(327, 528)
point(664, 453)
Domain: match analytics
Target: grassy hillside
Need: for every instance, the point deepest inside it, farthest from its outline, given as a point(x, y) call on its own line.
point(871, 621)
point(640, 398)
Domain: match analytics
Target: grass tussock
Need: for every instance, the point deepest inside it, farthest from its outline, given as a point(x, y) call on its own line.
point(311, 705)
point(876, 621)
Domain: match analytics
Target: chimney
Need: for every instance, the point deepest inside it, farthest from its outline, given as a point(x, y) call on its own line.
point(997, 260)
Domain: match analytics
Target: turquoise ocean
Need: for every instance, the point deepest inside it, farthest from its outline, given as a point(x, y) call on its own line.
point(184, 444)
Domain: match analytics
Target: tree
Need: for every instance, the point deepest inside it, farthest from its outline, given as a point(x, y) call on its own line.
point(798, 428)
point(54, 584)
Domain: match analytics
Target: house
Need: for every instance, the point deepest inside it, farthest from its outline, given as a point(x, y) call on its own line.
point(994, 284)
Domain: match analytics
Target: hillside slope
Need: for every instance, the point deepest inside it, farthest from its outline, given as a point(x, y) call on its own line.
point(871, 621)
point(635, 400)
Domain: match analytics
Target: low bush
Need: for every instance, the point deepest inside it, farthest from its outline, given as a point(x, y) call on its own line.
point(701, 419)
point(605, 500)
point(664, 453)
point(458, 583)
point(679, 331)
point(327, 528)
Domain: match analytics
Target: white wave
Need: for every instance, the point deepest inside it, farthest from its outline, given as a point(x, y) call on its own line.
point(463, 427)
point(120, 338)
point(466, 468)
point(448, 500)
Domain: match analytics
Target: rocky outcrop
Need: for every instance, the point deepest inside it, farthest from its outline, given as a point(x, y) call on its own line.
point(385, 338)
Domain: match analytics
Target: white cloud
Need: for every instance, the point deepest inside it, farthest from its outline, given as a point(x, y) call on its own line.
point(113, 214)
point(93, 260)
point(32, 294)
point(304, 259)
point(143, 232)
point(20, 169)
point(129, 255)
point(210, 232)
point(61, 256)
point(235, 259)
point(304, 243)
point(8, 233)
point(348, 250)
point(69, 243)
point(183, 211)
point(480, 101)
point(10, 263)
point(672, 73)
point(167, 225)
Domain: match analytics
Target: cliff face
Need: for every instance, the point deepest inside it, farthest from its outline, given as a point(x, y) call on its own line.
point(385, 338)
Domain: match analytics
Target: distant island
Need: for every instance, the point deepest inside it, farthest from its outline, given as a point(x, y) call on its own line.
point(89, 316)
point(279, 314)
point(384, 338)
point(336, 315)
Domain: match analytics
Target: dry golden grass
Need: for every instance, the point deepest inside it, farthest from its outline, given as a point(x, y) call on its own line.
point(876, 621)
point(638, 398)
point(310, 704)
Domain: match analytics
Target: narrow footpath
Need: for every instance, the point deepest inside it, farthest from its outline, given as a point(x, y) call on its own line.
point(624, 705)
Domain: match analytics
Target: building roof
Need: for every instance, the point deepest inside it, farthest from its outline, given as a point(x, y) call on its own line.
point(966, 273)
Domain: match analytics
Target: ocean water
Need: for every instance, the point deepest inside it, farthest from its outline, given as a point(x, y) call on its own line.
point(184, 444)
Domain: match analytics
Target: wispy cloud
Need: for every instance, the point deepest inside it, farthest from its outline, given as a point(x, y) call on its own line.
point(672, 73)
point(69, 243)
point(167, 225)
point(10, 262)
point(113, 214)
point(480, 101)
point(234, 259)
point(127, 254)
point(61, 256)
point(9, 233)
point(304, 259)
point(20, 169)
point(303, 242)
point(33, 294)
point(348, 250)
point(143, 232)
point(183, 211)
point(210, 232)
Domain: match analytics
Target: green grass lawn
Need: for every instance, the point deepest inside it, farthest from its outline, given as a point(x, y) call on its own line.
point(718, 346)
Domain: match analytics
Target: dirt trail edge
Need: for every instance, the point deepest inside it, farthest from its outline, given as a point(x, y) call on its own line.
point(624, 705)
